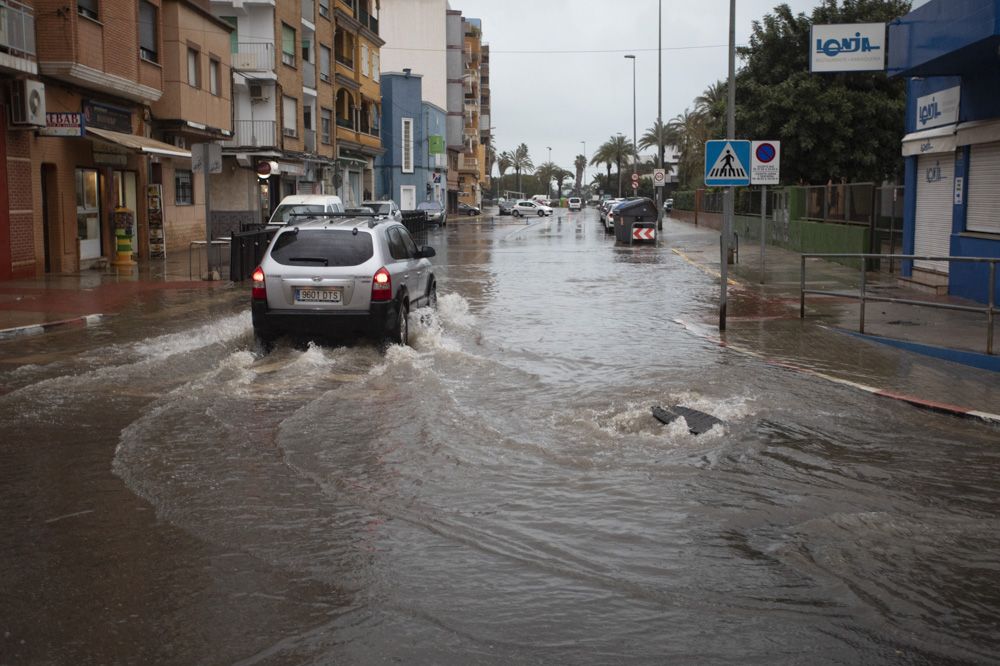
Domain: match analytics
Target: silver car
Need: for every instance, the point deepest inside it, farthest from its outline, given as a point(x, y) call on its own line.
point(349, 277)
point(387, 208)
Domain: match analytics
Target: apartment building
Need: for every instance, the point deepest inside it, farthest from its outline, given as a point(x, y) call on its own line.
point(466, 149)
point(306, 105)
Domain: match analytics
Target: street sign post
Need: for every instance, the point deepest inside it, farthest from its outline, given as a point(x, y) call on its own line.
point(659, 177)
point(765, 169)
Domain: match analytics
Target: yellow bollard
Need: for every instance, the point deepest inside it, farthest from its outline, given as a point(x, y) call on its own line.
point(124, 220)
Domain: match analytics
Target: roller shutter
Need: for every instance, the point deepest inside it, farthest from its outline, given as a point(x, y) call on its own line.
point(935, 192)
point(984, 189)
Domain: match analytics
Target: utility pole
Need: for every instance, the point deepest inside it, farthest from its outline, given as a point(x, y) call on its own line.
point(659, 117)
point(728, 209)
point(635, 151)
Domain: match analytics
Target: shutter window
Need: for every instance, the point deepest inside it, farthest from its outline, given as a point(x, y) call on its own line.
point(407, 145)
point(984, 189)
point(935, 194)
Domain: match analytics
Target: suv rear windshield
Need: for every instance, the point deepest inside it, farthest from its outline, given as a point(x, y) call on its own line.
point(379, 208)
point(322, 247)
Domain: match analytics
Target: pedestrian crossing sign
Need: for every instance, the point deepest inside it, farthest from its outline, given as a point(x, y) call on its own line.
point(727, 163)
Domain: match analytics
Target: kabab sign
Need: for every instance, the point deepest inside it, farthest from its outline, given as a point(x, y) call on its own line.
point(858, 47)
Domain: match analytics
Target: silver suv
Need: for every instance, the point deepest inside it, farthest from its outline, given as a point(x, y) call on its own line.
point(341, 277)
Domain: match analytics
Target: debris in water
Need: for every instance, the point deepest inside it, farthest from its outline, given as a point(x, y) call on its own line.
point(698, 422)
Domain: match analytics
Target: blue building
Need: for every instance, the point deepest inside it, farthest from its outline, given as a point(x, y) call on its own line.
point(949, 50)
point(414, 166)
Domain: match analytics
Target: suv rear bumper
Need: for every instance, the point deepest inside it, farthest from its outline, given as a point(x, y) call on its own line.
point(376, 322)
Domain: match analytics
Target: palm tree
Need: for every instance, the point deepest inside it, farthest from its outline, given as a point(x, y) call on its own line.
point(580, 164)
point(561, 176)
point(657, 136)
point(546, 173)
point(619, 149)
point(522, 162)
point(505, 161)
point(711, 106)
point(688, 132)
point(603, 156)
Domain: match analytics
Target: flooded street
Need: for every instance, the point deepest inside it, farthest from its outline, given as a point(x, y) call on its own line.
point(497, 494)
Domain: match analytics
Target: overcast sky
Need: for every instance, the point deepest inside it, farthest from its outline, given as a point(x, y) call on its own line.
point(544, 98)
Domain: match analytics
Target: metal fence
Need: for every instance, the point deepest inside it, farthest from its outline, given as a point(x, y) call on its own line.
point(990, 309)
point(17, 28)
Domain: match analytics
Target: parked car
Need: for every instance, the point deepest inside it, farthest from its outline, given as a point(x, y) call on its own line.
point(526, 207)
point(606, 206)
point(541, 199)
point(388, 208)
point(668, 205)
point(466, 209)
point(341, 278)
point(575, 203)
point(299, 206)
point(506, 207)
point(436, 214)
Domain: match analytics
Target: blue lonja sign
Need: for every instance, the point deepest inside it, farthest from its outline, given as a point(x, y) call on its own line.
point(727, 163)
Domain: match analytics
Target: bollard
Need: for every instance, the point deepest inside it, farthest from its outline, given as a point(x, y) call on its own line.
point(124, 218)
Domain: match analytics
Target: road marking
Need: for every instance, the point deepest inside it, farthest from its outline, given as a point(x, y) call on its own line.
point(703, 268)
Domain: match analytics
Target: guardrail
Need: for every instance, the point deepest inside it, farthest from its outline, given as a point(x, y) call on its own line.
point(990, 309)
point(17, 28)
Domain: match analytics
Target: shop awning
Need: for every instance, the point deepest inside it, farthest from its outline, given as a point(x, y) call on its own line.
point(937, 140)
point(978, 131)
point(138, 144)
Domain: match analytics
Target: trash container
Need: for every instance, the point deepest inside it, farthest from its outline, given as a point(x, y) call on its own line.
point(635, 221)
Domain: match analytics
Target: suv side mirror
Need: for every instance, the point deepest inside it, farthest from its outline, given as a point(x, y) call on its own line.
point(426, 252)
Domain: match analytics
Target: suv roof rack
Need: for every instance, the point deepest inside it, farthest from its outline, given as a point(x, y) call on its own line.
point(376, 218)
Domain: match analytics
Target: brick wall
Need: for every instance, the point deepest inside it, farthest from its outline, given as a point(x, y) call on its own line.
point(20, 203)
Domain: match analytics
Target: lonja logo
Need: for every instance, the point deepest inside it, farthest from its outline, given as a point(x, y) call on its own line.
point(934, 173)
point(855, 44)
point(929, 112)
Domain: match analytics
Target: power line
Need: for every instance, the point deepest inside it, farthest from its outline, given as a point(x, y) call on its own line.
point(568, 52)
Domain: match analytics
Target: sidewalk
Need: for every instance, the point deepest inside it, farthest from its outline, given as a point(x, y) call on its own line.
point(35, 305)
point(929, 357)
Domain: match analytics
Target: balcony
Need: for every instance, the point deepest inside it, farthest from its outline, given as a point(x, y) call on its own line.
point(346, 124)
point(309, 138)
point(253, 57)
point(345, 61)
point(17, 29)
point(309, 75)
point(309, 11)
point(253, 133)
point(468, 164)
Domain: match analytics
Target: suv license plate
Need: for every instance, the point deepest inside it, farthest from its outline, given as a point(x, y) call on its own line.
point(318, 295)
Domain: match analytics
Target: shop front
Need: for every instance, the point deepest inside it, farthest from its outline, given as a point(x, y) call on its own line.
point(950, 53)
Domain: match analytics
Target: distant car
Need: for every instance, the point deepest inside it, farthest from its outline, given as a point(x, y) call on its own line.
point(299, 206)
point(387, 208)
point(506, 208)
point(525, 207)
point(575, 203)
point(605, 209)
point(436, 214)
point(466, 209)
point(541, 199)
point(668, 206)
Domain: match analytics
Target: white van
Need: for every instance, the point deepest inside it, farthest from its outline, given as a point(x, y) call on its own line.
point(295, 205)
point(575, 203)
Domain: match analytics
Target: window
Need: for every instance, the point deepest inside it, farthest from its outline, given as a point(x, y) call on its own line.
point(288, 45)
point(306, 46)
point(324, 8)
point(407, 145)
point(324, 63)
point(307, 117)
point(289, 115)
point(147, 31)
point(364, 59)
point(397, 248)
point(194, 76)
point(87, 8)
point(376, 66)
point(326, 124)
point(183, 188)
point(213, 76)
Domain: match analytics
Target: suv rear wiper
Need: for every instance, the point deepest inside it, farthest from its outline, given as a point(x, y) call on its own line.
point(318, 260)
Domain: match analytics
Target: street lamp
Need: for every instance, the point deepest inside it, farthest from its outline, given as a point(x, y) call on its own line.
point(635, 152)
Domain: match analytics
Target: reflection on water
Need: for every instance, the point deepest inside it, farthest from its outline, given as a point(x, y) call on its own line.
point(499, 492)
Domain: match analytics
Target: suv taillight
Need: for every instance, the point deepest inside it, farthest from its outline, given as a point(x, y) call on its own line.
point(382, 285)
point(258, 292)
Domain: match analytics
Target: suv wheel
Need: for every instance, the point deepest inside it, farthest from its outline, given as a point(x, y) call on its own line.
point(262, 343)
point(516, 213)
point(400, 334)
point(432, 295)
point(541, 213)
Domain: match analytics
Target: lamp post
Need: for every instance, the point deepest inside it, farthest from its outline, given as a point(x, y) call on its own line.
point(659, 117)
point(583, 176)
point(548, 185)
point(635, 152)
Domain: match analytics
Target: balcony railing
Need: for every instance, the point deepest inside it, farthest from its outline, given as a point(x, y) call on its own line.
point(345, 61)
point(346, 124)
point(468, 164)
point(255, 133)
point(309, 138)
point(17, 28)
point(253, 57)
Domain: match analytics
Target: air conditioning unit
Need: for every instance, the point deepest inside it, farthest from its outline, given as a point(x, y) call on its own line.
point(257, 92)
point(27, 103)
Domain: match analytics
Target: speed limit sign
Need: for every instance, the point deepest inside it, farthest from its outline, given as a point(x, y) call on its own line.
point(659, 177)
point(635, 178)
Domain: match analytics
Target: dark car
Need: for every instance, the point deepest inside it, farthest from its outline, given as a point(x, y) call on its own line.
point(436, 214)
point(466, 209)
point(506, 207)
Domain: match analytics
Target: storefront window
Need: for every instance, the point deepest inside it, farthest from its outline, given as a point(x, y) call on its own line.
point(88, 214)
point(183, 188)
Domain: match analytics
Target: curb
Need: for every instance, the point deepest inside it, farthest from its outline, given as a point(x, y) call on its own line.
point(929, 405)
point(37, 329)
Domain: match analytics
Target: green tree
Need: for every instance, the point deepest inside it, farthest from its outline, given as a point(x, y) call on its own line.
point(832, 126)
point(521, 162)
point(603, 155)
point(687, 132)
point(615, 150)
point(504, 162)
point(580, 164)
point(546, 173)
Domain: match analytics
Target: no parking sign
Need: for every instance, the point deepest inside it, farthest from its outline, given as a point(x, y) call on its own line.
point(765, 163)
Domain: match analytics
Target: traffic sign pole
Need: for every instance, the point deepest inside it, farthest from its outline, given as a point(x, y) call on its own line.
point(763, 227)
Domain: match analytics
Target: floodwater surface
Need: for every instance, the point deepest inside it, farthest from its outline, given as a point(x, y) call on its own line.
point(498, 493)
